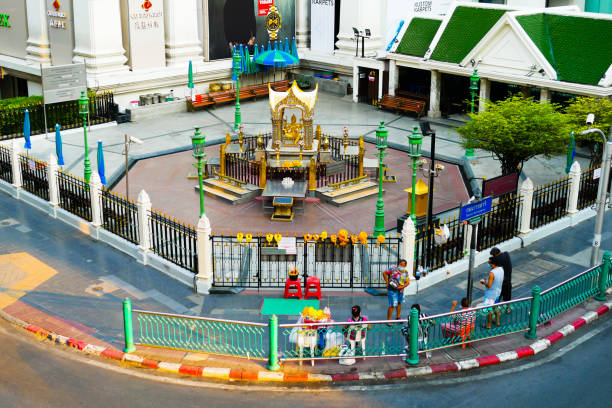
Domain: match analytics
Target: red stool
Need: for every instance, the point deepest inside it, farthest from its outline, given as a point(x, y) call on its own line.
point(313, 288)
point(293, 289)
point(198, 98)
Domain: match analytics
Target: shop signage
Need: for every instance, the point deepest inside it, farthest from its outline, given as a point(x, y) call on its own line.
point(57, 17)
point(4, 20)
point(263, 7)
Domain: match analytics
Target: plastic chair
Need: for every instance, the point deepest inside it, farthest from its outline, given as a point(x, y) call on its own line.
point(313, 288)
point(293, 289)
point(360, 337)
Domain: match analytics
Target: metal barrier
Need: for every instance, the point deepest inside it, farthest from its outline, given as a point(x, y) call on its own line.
point(587, 193)
point(173, 241)
point(226, 337)
point(119, 216)
point(549, 202)
point(6, 169)
point(34, 176)
point(74, 195)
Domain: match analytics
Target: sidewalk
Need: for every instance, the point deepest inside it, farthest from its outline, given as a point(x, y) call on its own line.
point(62, 281)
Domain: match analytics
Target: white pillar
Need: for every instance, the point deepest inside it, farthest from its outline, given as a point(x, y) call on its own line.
point(574, 186)
point(95, 191)
point(15, 150)
point(485, 93)
point(38, 49)
point(204, 279)
point(181, 32)
point(526, 193)
point(143, 204)
point(97, 36)
point(355, 82)
point(362, 14)
point(407, 252)
point(393, 77)
point(302, 23)
point(380, 82)
point(53, 187)
point(544, 95)
point(434, 95)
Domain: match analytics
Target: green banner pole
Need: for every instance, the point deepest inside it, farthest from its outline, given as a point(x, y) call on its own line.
point(412, 357)
point(127, 326)
point(273, 335)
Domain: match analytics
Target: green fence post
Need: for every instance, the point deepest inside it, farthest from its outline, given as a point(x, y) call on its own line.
point(127, 326)
point(273, 335)
point(604, 272)
point(534, 314)
point(412, 357)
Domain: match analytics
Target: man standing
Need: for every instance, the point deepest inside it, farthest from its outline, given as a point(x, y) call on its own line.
point(503, 259)
point(493, 285)
point(396, 279)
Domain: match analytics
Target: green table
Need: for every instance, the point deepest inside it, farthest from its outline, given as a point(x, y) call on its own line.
point(289, 307)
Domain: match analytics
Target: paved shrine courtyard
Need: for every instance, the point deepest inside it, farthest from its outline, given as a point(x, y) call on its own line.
point(164, 178)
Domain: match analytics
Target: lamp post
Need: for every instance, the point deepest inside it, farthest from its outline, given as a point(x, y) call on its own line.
point(84, 112)
point(415, 140)
point(198, 141)
point(381, 145)
point(474, 80)
point(602, 189)
point(236, 71)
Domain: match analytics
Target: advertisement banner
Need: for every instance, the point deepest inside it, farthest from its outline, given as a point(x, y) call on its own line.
point(13, 28)
point(239, 22)
point(61, 31)
point(263, 7)
point(322, 35)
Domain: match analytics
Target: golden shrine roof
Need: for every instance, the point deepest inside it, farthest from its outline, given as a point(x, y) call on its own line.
point(294, 95)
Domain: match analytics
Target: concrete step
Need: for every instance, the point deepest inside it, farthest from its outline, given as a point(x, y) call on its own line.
point(230, 192)
point(222, 185)
point(350, 189)
point(219, 193)
point(357, 195)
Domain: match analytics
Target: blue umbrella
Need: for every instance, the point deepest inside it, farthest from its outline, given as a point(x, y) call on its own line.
point(294, 50)
point(101, 163)
point(243, 58)
point(26, 130)
point(274, 58)
point(58, 146)
point(269, 45)
point(287, 49)
point(255, 53)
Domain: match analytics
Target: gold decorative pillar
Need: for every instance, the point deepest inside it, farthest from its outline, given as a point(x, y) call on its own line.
point(318, 135)
point(308, 136)
point(312, 174)
point(228, 139)
point(361, 155)
point(262, 172)
point(277, 130)
point(222, 159)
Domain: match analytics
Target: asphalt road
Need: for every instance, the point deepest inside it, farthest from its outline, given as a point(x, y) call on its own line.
point(575, 374)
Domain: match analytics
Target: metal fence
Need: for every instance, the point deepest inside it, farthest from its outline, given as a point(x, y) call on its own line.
point(241, 169)
point(102, 109)
point(6, 169)
point(173, 241)
point(501, 223)
point(336, 145)
point(568, 294)
point(587, 193)
point(74, 195)
point(549, 202)
point(226, 337)
point(259, 263)
point(34, 176)
point(439, 255)
point(119, 216)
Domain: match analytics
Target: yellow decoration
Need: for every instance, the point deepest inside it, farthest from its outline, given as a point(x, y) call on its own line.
point(380, 239)
point(333, 238)
point(363, 237)
point(343, 237)
point(269, 238)
point(307, 237)
point(316, 237)
point(277, 237)
point(239, 237)
point(353, 238)
point(297, 163)
point(249, 237)
point(324, 235)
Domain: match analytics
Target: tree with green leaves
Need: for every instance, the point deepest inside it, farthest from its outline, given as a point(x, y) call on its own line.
point(516, 129)
point(577, 113)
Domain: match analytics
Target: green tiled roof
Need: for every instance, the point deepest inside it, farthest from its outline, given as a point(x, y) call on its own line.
point(578, 48)
point(464, 30)
point(418, 36)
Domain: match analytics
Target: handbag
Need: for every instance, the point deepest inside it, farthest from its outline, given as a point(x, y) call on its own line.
point(346, 356)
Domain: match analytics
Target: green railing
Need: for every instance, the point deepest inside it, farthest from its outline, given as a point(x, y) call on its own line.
point(227, 337)
point(315, 341)
point(568, 294)
point(474, 324)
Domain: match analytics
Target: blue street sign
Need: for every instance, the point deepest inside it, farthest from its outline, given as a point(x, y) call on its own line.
point(475, 209)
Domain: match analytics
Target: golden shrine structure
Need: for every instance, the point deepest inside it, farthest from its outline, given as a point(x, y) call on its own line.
point(294, 161)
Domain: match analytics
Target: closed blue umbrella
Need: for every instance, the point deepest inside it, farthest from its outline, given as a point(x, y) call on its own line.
point(294, 50)
point(101, 163)
point(26, 130)
point(243, 53)
point(255, 54)
point(58, 146)
point(287, 49)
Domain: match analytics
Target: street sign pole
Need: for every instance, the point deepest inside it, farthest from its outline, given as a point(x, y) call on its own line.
point(474, 236)
point(472, 213)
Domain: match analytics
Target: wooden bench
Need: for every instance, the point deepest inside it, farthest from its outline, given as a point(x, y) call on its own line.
point(245, 93)
point(223, 96)
point(259, 90)
point(280, 86)
point(401, 104)
point(201, 101)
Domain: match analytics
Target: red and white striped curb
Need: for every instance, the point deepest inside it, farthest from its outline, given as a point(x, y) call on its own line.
point(237, 374)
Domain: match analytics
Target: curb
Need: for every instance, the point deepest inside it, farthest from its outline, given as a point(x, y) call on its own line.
point(232, 374)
